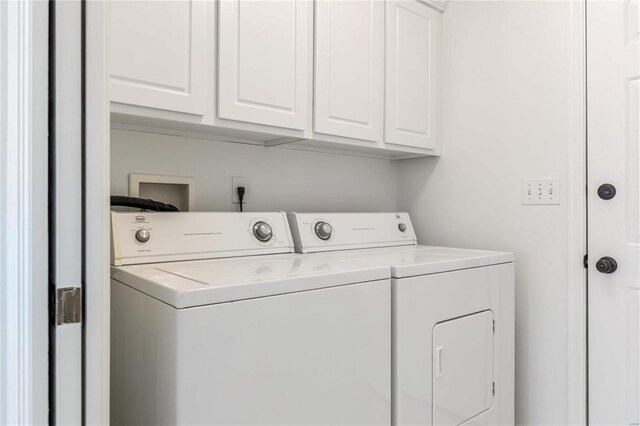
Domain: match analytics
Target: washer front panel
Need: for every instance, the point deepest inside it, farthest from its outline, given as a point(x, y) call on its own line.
point(307, 358)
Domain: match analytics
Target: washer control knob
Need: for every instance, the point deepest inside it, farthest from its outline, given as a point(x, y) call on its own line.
point(262, 231)
point(323, 230)
point(143, 235)
point(402, 227)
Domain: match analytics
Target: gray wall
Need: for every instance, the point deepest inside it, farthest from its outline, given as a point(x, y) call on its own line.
point(278, 179)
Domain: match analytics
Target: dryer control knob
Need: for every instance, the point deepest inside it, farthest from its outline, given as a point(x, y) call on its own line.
point(262, 231)
point(402, 227)
point(323, 230)
point(143, 235)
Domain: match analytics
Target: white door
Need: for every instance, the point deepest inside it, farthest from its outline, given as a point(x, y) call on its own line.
point(65, 213)
point(349, 68)
point(264, 61)
point(412, 98)
point(158, 54)
point(613, 91)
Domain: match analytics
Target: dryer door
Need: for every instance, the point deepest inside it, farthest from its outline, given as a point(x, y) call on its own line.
point(462, 368)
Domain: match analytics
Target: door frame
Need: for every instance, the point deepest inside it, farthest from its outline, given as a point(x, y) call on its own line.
point(96, 276)
point(577, 220)
point(24, 292)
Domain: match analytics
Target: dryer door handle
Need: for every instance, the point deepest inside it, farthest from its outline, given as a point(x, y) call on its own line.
point(438, 362)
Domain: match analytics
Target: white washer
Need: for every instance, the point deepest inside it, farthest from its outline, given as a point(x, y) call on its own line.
point(264, 337)
point(452, 316)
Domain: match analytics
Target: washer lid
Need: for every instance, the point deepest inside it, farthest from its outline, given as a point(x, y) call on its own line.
point(204, 282)
point(422, 260)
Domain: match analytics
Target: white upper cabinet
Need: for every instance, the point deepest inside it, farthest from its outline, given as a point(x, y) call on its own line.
point(245, 70)
point(264, 51)
point(412, 101)
point(349, 68)
point(158, 54)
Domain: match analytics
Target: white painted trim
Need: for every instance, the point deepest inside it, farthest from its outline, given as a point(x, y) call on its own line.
point(65, 213)
point(156, 129)
point(97, 255)
point(331, 151)
point(577, 294)
point(23, 213)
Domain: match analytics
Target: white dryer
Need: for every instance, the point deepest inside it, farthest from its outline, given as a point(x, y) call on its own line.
point(452, 316)
point(216, 321)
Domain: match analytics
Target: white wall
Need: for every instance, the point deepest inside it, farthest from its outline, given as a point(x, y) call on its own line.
point(506, 117)
point(278, 179)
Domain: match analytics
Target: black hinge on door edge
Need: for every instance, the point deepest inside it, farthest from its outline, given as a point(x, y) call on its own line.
point(585, 261)
point(494, 326)
point(68, 305)
point(493, 388)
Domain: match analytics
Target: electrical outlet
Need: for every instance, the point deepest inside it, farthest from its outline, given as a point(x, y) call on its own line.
point(237, 181)
point(541, 191)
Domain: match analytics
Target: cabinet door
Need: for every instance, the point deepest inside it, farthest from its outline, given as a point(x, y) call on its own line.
point(412, 101)
point(349, 68)
point(263, 61)
point(158, 54)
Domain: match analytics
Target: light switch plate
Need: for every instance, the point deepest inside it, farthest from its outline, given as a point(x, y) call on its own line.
point(541, 191)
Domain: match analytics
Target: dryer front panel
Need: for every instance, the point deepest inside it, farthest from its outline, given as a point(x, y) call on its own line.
point(446, 356)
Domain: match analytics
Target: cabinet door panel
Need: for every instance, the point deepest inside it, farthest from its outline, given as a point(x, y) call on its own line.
point(158, 54)
point(349, 68)
point(412, 113)
point(263, 61)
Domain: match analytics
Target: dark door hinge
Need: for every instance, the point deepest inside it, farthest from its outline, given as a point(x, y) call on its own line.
point(68, 305)
point(585, 261)
point(493, 389)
